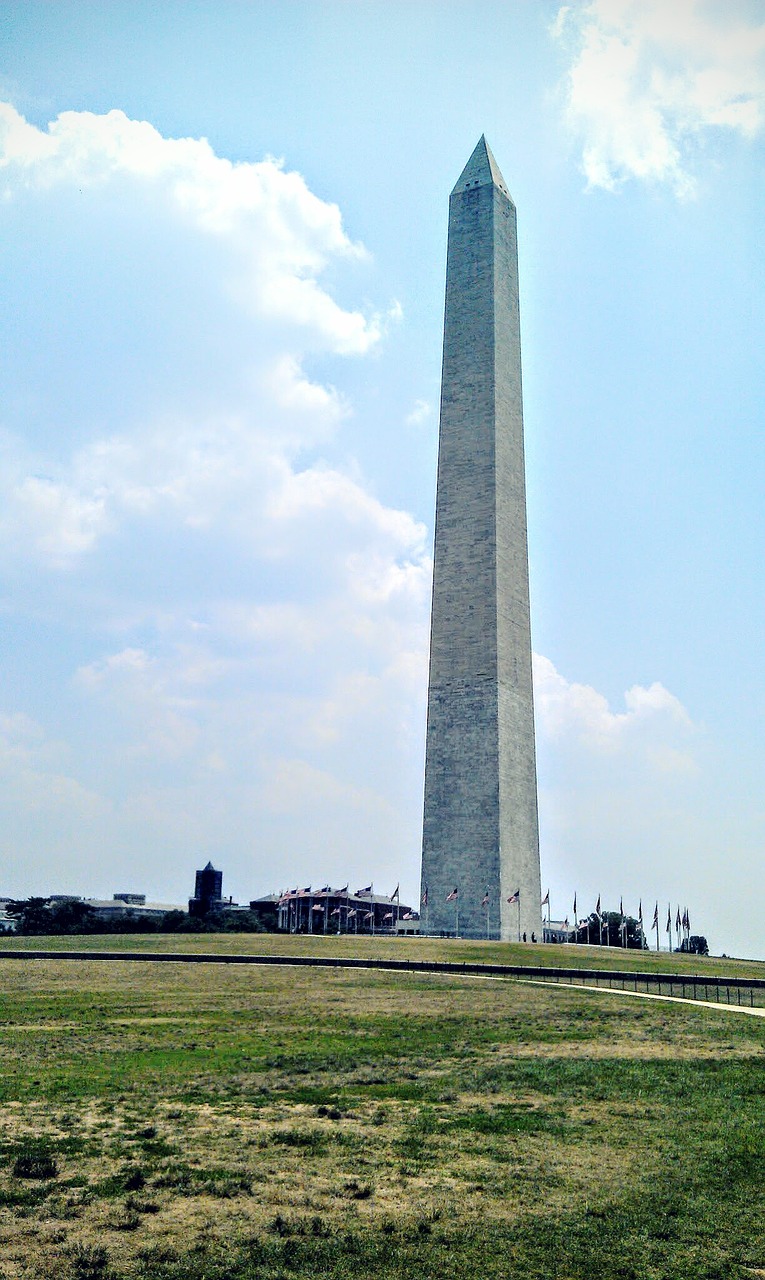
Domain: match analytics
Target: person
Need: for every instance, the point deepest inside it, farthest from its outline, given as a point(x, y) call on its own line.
point(524, 937)
point(533, 937)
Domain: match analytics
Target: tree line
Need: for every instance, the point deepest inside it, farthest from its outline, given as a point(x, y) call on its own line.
point(39, 917)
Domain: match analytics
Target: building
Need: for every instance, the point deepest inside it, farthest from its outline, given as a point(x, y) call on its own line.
point(480, 843)
point(123, 907)
point(208, 891)
point(330, 910)
point(558, 931)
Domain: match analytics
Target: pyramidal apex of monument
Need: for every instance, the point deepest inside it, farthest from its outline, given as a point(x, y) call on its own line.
point(481, 170)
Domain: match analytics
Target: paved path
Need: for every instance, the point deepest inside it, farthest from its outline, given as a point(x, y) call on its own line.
point(646, 995)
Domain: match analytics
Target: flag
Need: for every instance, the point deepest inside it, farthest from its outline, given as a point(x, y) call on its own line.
point(686, 919)
point(485, 899)
point(360, 892)
point(352, 912)
point(368, 915)
point(640, 913)
point(515, 897)
point(452, 897)
point(407, 916)
point(388, 915)
point(597, 906)
point(336, 912)
point(678, 921)
point(317, 907)
point(621, 907)
point(575, 915)
point(669, 919)
point(394, 895)
point(344, 889)
point(655, 924)
point(565, 923)
point(304, 891)
point(424, 899)
point(546, 899)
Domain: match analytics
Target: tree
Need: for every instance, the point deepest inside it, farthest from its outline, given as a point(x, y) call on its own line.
point(696, 945)
point(611, 929)
point(39, 916)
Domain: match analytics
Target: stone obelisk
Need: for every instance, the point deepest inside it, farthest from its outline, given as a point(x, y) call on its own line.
point(480, 830)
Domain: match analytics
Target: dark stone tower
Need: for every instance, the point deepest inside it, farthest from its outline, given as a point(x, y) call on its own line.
point(208, 891)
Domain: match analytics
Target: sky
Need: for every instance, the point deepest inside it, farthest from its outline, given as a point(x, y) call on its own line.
point(222, 254)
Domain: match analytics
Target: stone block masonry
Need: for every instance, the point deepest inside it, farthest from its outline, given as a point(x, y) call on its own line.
point(480, 828)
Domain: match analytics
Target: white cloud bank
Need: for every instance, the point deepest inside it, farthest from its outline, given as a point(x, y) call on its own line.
point(280, 233)
point(649, 78)
point(244, 618)
point(580, 717)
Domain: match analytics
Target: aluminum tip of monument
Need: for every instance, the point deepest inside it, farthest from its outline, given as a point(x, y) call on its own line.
point(481, 170)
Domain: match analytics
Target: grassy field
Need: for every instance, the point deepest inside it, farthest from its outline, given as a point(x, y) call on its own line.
point(224, 1123)
point(399, 948)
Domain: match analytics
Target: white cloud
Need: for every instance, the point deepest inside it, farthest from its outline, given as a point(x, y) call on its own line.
point(279, 235)
point(648, 78)
point(419, 413)
point(580, 717)
point(34, 784)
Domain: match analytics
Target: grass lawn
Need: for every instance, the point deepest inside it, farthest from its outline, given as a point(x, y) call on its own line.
point(225, 1123)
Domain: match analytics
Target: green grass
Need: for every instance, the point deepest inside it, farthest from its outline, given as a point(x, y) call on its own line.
point(402, 948)
point(248, 1123)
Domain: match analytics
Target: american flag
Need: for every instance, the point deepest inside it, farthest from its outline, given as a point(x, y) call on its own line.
point(394, 895)
point(317, 907)
point(597, 906)
point(360, 892)
point(485, 901)
point(546, 899)
point(515, 897)
point(407, 915)
point(388, 915)
point(655, 924)
point(352, 912)
point(452, 897)
point(425, 896)
point(678, 921)
point(669, 919)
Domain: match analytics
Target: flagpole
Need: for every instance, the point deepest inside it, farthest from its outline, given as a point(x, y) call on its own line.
point(519, 917)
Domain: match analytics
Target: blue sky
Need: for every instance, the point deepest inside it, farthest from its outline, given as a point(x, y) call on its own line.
point(222, 247)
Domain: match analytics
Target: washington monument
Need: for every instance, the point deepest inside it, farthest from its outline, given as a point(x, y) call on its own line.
point(480, 830)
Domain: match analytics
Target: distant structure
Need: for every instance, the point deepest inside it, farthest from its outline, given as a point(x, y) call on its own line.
point(329, 910)
point(208, 891)
point(480, 832)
